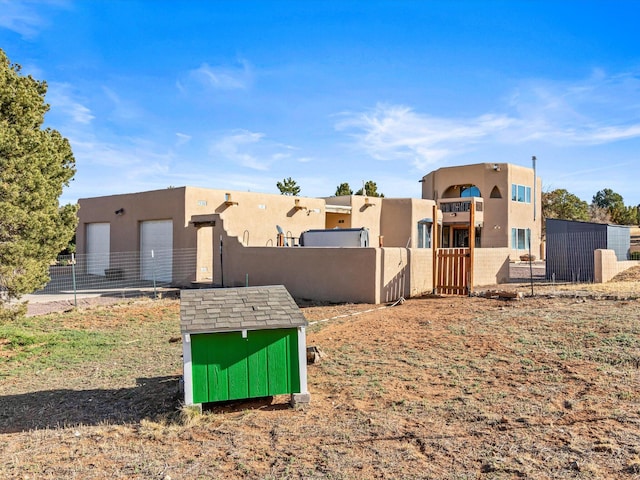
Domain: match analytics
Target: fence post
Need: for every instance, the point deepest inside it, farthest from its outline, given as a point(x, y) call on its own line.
point(530, 259)
point(73, 276)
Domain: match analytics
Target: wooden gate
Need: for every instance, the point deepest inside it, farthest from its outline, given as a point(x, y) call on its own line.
point(453, 267)
point(452, 271)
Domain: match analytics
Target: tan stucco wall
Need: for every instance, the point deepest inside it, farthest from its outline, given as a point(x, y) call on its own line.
point(253, 220)
point(125, 229)
point(399, 220)
point(421, 262)
point(124, 239)
point(332, 274)
point(490, 266)
point(607, 266)
point(395, 272)
point(367, 216)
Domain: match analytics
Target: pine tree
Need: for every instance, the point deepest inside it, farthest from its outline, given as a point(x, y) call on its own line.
point(35, 165)
point(288, 186)
point(370, 189)
point(343, 189)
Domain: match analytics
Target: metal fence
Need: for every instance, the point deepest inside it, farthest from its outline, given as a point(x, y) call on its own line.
point(123, 273)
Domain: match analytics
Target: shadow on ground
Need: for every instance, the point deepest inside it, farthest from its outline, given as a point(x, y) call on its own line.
point(150, 398)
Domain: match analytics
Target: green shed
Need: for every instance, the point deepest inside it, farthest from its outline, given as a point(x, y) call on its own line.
point(241, 343)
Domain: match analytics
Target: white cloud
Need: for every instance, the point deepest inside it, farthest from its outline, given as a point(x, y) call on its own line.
point(182, 138)
point(250, 149)
point(237, 77)
point(60, 97)
point(390, 132)
point(23, 17)
point(598, 110)
point(128, 157)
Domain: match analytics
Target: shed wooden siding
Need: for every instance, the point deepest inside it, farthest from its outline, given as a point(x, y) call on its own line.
point(242, 343)
point(228, 367)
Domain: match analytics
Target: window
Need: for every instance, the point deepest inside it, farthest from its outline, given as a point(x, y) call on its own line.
point(520, 238)
point(424, 233)
point(520, 193)
point(495, 193)
point(470, 191)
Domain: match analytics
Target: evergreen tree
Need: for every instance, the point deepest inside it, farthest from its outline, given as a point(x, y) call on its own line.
point(288, 186)
point(370, 190)
point(614, 204)
point(35, 165)
point(343, 189)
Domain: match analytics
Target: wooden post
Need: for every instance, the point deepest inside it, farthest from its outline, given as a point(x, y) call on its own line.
point(472, 242)
point(435, 235)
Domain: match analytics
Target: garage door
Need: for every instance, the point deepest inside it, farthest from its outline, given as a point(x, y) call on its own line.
point(98, 247)
point(156, 250)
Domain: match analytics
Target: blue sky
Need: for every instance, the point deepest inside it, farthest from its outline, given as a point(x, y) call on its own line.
point(238, 95)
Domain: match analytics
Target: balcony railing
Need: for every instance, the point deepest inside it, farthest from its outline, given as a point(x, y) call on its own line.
point(458, 210)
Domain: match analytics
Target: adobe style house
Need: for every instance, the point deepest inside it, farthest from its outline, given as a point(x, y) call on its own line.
point(234, 237)
point(507, 201)
point(240, 238)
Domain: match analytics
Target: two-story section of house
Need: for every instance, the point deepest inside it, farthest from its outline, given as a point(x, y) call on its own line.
point(507, 200)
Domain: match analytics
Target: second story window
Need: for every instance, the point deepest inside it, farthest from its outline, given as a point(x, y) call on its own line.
point(470, 191)
point(520, 193)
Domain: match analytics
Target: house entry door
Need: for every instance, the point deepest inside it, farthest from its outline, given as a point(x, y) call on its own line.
point(461, 237)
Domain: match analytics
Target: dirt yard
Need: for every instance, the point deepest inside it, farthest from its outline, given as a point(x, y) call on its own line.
point(436, 387)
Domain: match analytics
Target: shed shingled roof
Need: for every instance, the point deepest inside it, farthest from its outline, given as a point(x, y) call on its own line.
point(232, 309)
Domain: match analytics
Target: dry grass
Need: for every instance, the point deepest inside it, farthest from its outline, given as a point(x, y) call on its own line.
point(443, 388)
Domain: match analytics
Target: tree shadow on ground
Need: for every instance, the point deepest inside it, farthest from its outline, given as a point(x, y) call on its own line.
point(150, 398)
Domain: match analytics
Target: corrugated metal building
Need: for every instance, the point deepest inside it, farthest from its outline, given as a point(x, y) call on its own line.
point(570, 246)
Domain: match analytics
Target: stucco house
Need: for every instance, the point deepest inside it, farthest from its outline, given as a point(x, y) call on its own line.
point(188, 235)
point(233, 234)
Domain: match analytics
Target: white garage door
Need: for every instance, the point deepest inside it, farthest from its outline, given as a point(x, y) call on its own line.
point(156, 250)
point(98, 247)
